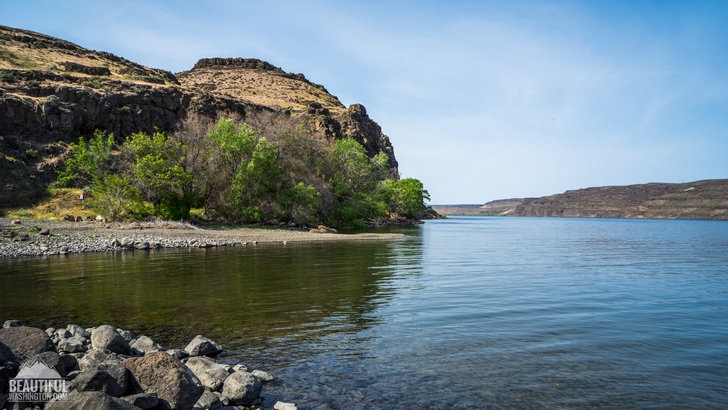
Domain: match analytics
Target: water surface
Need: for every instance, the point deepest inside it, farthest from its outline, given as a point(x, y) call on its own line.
point(470, 312)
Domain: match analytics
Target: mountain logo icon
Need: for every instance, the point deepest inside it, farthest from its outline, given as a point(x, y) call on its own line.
point(37, 369)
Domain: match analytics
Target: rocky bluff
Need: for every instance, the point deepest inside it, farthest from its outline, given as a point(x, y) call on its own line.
point(706, 199)
point(52, 92)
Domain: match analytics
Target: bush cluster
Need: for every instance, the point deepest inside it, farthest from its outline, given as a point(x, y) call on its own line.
point(235, 173)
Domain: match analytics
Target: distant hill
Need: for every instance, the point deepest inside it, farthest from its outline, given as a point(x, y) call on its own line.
point(500, 207)
point(706, 199)
point(53, 91)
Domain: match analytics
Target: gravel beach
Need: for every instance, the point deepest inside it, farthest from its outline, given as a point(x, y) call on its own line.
point(42, 237)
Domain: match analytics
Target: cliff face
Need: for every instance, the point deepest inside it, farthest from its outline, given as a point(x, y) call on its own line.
point(52, 92)
point(263, 84)
point(694, 200)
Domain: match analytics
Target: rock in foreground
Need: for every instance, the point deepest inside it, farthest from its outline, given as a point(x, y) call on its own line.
point(160, 373)
point(102, 379)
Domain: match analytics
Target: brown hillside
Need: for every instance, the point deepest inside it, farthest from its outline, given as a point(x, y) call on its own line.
point(258, 82)
point(693, 200)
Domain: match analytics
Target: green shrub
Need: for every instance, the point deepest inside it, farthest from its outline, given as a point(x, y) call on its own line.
point(24, 213)
point(90, 161)
point(115, 198)
point(157, 169)
point(239, 173)
point(7, 77)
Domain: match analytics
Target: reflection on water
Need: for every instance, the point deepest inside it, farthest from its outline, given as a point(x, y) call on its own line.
point(248, 298)
point(464, 313)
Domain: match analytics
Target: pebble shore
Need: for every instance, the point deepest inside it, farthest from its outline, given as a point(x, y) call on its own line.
point(41, 237)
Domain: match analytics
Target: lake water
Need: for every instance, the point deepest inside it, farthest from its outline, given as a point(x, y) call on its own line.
point(468, 312)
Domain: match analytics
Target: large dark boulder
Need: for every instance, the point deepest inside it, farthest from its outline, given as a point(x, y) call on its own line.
point(95, 400)
point(6, 355)
point(26, 341)
point(208, 401)
point(144, 401)
point(160, 373)
point(111, 379)
point(52, 359)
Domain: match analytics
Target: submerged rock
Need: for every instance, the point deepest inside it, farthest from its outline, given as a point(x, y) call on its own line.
point(263, 376)
point(284, 406)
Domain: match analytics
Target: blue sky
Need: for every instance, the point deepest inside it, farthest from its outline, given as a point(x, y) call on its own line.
point(482, 100)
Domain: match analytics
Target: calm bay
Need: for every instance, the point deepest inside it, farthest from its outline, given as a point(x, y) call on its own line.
point(468, 312)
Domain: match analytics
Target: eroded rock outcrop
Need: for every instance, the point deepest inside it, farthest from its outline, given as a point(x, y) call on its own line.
point(71, 92)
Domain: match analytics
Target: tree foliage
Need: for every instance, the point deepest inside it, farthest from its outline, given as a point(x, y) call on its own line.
point(239, 173)
point(90, 162)
point(156, 167)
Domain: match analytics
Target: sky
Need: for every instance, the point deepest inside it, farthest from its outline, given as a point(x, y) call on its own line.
point(482, 100)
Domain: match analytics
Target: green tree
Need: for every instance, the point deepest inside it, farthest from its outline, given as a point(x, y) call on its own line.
point(352, 170)
point(354, 178)
point(253, 194)
point(157, 169)
point(90, 160)
point(301, 203)
point(405, 197)
point(115, 198)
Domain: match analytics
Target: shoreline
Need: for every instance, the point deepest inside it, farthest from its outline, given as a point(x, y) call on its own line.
point(33, 237)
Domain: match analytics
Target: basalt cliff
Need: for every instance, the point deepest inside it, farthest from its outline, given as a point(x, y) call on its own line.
point(52, 92)
point(706, 199)
point(693, 200)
